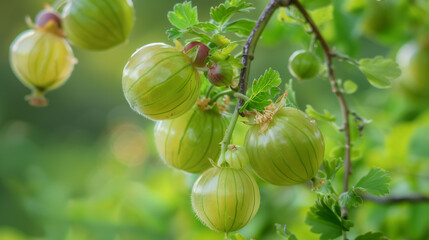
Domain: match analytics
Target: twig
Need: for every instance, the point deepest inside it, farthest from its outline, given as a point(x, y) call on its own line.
point(397, 199)
point(249, 47)
point(336, 90)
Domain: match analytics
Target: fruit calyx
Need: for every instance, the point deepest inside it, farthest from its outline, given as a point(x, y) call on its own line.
point(201, 55)
point(205, 104)
point(37, 99)
point(264, 119)
point(48, 20)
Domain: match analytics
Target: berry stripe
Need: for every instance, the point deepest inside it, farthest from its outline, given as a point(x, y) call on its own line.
point(152, 68)
point(297, 152)
point(300, 179)
point(311, 143)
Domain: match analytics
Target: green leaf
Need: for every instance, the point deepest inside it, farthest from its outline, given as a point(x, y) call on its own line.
point(326, 116)
point(372, 236)
point(222, 13)
point(235, 62)
point(220, 40)
point(350, 199)
point(263, 90)
point(331, 167)
point(174, 33)
point(379, 71)
point(349, 87)
point(206, 26)
point(322, 15)
point(183, 15)
point(223, 53)
point(241, 27)
point(284, 233)
point(324, 218)
point(375, 182)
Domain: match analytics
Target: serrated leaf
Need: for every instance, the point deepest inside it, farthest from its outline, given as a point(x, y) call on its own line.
point(283, 232)
point(372, 236)
point(270, 79)
point(263, 89)
point(183, 15)
point(326, 116)
point(260, 101)
point(222, 13)
point(331, 167)
point(220, 40)
point(206, 26)
point(223, 53)
point(375, 182)
point(174, 33)
point(350, 199)
point(322, 15)
point(324, 218)
point(379, 71)
point(349, 87)
point(241, 27)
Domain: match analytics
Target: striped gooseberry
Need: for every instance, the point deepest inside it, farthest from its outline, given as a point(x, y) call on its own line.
point(225, 199)
point(236, 157)
point(288, 150)
point(98, 25)
point(159, 82)
point(177, 139)
point(203, 53)
point(304, 64)
point(41, 58)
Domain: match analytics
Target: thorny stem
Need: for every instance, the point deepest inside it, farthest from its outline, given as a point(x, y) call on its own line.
point(249, 47)
point(248, 51)
point(336, 90)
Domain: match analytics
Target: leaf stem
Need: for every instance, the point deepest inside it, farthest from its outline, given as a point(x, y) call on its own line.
point(222, 93)
point(241, 96)
point(209, 90)
point(227, 137)
point(336, 90)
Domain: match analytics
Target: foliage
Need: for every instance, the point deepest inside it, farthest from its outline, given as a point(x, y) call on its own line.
point(89, 169)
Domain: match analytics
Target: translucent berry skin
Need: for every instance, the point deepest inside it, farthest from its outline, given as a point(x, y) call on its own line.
point(159, 82)
point(236, 157)
point(98, 25)
point(203, 53)
point(304, 64)
point(225, 199)
point(187, 142)
point(42, 61)
point(289, 152)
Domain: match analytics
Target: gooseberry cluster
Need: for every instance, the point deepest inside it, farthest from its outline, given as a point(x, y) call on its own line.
point(283, 146)
point(42, 58)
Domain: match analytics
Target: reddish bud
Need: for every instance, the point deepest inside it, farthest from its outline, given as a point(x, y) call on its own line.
point(220, 74)
point(203, 53)
point(46, 16)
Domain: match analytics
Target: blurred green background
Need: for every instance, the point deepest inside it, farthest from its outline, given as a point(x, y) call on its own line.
point(85, 167)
